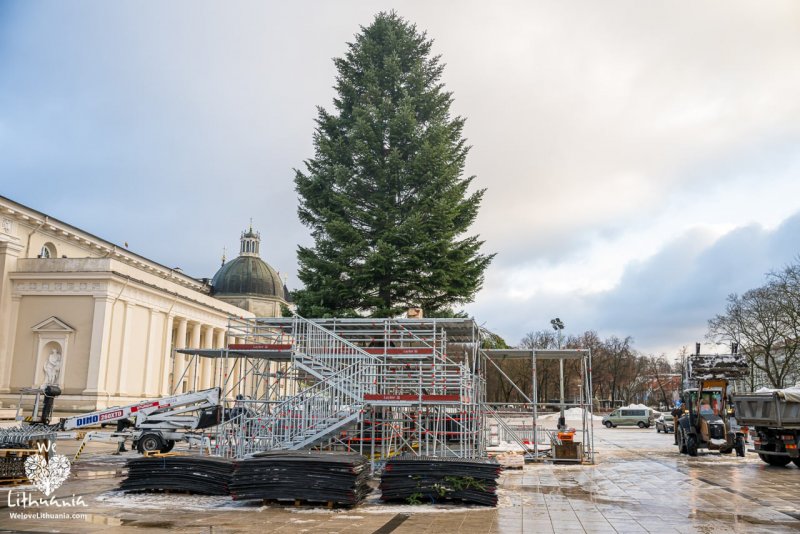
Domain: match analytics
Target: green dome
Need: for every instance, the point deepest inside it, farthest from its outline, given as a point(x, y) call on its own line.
point(247, 275)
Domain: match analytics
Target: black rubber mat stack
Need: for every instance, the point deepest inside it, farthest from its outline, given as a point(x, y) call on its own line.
point(309, 476)
point(207, 475)
point(428, 480)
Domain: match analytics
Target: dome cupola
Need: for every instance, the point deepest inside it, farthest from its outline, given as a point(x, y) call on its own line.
point(248, 274)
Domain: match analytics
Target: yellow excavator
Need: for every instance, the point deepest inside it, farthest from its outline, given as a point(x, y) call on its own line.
point(706, 420)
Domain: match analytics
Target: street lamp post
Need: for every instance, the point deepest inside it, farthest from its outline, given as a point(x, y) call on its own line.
point(558, 326)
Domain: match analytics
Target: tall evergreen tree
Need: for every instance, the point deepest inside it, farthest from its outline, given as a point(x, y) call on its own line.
point(384, 194)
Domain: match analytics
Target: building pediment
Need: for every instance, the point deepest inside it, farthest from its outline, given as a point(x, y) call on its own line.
point(52, 324)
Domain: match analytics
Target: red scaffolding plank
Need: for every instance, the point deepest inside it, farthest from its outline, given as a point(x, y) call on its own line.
point(425, 398)
point(426, 351)
point(259, 346)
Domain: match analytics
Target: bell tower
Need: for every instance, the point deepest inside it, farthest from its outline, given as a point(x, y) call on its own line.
point(250, 242)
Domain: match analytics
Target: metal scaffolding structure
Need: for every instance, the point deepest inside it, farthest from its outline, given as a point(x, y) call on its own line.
point(536, 438)
point(380, 387)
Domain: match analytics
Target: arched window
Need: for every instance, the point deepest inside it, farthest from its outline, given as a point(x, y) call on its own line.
point(48, 251)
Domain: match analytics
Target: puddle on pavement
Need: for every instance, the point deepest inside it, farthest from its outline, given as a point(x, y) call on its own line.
point(149, 524)
point(98, 519)
point(737, 518)
point(567, 491)
point(578, 492)
point(90, 474)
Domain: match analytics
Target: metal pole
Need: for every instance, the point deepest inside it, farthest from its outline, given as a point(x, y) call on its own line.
point(561, 421)
point(534, 400)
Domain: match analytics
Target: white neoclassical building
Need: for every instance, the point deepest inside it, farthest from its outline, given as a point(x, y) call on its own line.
point(103, 322)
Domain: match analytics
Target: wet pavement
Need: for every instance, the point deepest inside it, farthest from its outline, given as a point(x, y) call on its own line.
point(638, 484)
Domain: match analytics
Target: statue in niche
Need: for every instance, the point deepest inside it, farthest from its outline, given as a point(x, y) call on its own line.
point(52, 368)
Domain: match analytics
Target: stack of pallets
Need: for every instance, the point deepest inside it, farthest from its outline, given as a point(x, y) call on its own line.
point(302, 477)
point(17, 444)
point(206, 475)
point(12, 465)
point(422, 479)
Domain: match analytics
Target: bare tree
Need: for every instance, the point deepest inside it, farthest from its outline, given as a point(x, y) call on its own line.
point(545, 375)
point(786, 284)
point(621, 361)
point(660, 370)
point(764, 323)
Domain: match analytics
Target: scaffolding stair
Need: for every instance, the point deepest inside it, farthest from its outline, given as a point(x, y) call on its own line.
point(322, 372)
point(344, 375)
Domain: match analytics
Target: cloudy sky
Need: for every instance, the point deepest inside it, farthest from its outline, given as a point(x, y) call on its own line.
point(642, 159)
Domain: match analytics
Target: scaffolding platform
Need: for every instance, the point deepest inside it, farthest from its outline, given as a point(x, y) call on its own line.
point(379, 387)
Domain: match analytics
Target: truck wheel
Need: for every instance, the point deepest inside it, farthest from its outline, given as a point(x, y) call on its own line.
point(608, 424)
point(150, 442)
point(796, 461)
point(170, 443)
point(739, 446)
point(640, 424)
point(691, 445)
point(777, 461)
point(681, 442)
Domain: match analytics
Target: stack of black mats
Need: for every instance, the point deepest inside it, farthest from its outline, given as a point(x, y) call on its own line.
point(206, 475)
point(311, 476)
point(428, 480)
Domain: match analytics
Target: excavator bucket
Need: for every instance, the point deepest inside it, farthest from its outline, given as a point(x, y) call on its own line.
point(711, 366)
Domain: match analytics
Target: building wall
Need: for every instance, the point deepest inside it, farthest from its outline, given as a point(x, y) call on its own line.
point(114, 316)
point(258, 306)
point(76, 311)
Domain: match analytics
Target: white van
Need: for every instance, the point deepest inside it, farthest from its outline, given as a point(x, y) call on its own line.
point(641, 417)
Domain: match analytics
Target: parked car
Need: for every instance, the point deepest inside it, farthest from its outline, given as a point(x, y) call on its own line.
point(642, 418)
point(665, 424)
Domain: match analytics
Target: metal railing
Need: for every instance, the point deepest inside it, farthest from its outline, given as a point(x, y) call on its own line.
point(345, 374)
point(422, 401)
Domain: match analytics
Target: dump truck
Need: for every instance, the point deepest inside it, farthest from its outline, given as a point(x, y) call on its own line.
point(774, 420)
point(706, 422)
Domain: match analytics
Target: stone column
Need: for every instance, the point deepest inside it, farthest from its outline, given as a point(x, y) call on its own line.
point(180, 360)
point(151, 378)
point(7, 341)
point(98, 350)
point(124, 375)
point(205, 367)
point(166, 357)
point(9, 308)
point(193, 364)
point(220, 370)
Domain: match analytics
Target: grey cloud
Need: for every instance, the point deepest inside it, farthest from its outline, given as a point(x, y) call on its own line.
point(170, 126)
point(665, 301)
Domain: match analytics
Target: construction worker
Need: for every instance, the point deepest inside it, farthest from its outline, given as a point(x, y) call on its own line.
point(122, 424)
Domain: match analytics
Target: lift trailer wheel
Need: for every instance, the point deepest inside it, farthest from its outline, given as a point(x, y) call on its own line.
point(150, 442)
